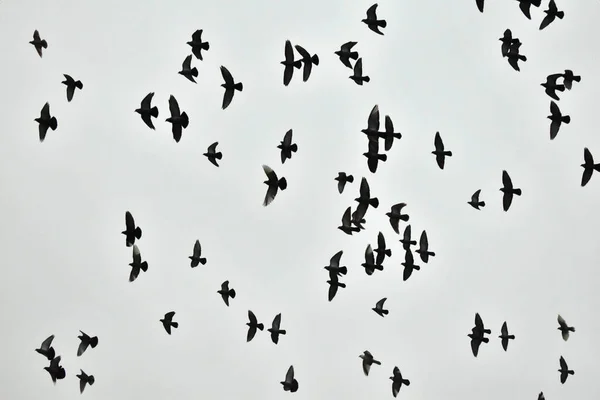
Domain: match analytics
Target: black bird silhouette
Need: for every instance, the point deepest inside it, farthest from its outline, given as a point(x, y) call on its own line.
point(398, 381)
point(409, 265)
point(85, 379)
point(55, 370)
point(307, 60)
point(564, 328)
point(147, 111)
point(131, 232)
point(71, 85)
point(506, 40)
point(275, 329)
point(38, 42)
point(372, 22)
point(196, 255)
point(370, 265)
point(439, 152)
point(230, 87)
point(505, 336)
point(475, 203)
point(179, 120)
point(357, 75)
point(479, 5)
point(423, 249)
point(345, 53)
point(508, 191)
point(290, 384)
point(226, 292)
point(197, 44)
point(137, 264)
point(86, 341)
point(365, 200)
point(564, 370)
point(389, 134)
point(514, 56)
point(253, 325)
point(46, 121)
point(379, 308)
point(212, 154)
point(342, 179)
point(551, 86)
point(381, 250)
point(287, 147)
point(568, 79)
point(525, 6)
point(289, 63)
point(557, 119)
point(368, 360)
point(347, 226)
point(46, 348)
point(273, 183)
point(334, 284)
point(477, 335)
point(167, 322)
point(588, 167)
point(406, 238)
point(187, 70)
point(551, 13)
point(395, 215)
point(334, 264)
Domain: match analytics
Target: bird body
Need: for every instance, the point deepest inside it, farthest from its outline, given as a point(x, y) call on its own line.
point(197, 44)
point(274, 185)
point(46, 121)
point(38, 43)
point(146, 110)
point(372, 21)
point(167, 321)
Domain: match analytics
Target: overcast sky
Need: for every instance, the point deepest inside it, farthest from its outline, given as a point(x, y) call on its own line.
point(438, 68)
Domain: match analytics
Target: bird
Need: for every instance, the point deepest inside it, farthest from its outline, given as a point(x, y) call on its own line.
point(365, 200)
point(406, 238)
point(390, 134)
point(137, 264)
point(347, 226)
point(334, 264)
point(357, 74)
point(439, 152)
point(557, 119)
point(342, 179)
point(506, 40)
point(564, 370)
point(38, 43)
point(477, 335)
point(196, 255)
point(46, 348)
point(179, 120)
point(346, 54)
point(289, 63)
point(212, 154)
point(479, 5)
point(46, 121)
point(423, 249)
point(167, 321)
point(398, 381)
point(197, 44)
point(569, 77)
point(275, 329)
point(367, 361)
point(71, 85)
point(588, 167)
point(307, 60)
point(373, 156)
point(381, 250)
point(334, 284)
point(475, 203)
point(274, 184)
point(230, 87)
point(86, 341)
point(508, 191)
point(379, 308)
point(551, 13)
point(85, 379)
point(551, 86)
point(505, 336)
point(147, 111)
point(564, 328)
point(226, 292)
point(372, 22)
point(187, 70)
point(514, 56)
point(131, 231)
point(395, 215)
point(253, 325)
point(409, 265)
point(55, 370)
point(290, 384)
point(287, 147)
point(525, 6)
point(369, 265)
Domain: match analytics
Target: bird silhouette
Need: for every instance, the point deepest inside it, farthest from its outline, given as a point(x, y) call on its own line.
point(46, 348)
point(508, 191)
point(551, 13)
point(46, 121)
point(131, 231)
point(475, 203)
point(289, 63)
point(290, 383)
point(525, 6)
point(569, 78)
point(212, 154)
point(588, 167)
point(287, 147)
point(226, 293)
point(334, 284)
point(398, 381)
point(275, 330)
point(187, 70)
point(369, 265)
point(334, 264)
point(253, 325)
point(564, 370)
point(367, 361)
point(439, 152)
point(274, 184)
point(347, 226)
point(406, 238)
point(551, 86)
point(179, 120)
point(564, 328)
point(379, 308)
point(395, 215)
point(308, 61)
point(85, 379)
point(372, 21)
point(505, 336)
point(381, 250)
point(71, 85)
point(409, 265)
point(357, 74)
point(346, 54)
point(38, 43)
point(423, 249)
point(557, 119)
point(196, 255)
point(55, 370)
point(147, 111)
point(137, 264)
point(198, 45)
point(167, 321)
point(342, 179)
point(86, 341)
point(389, 134)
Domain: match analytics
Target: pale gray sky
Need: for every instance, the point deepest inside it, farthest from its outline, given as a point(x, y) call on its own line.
point(438, 68)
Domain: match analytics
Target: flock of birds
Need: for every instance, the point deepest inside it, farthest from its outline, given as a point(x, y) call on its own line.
point(352, 222)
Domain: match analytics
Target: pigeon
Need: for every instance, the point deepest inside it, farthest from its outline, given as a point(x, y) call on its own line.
point(439, 152)
point(287, 147)
point(289, 63)
point(226, 293)
point(197, 44)
point(475, 203)
point(346, 226)
point(46, 121)
point(46, 348)
point(568, 79)
point(395, 215)
point(477, 335)
point(372, 129)
point(514, 56)
point(196, 255)
point(357, 75)
point(71, 85)
point(423, 249)
point(398, 381)
point(131, 232)
point(273, 183)
point(368, 360)
point(342, 179)
point(381, 250)
point(179, 120)
point(406, 238)
point(187, 70)
point(86, 341)
point(167, 322)
point(334, 264)
point(274, 329)
point(557, 119)
point(212, 154)
point(588, 167)
point(506, 40)
point(307, 60)
point(38, 42)
point(390, 134)
point(85, 379)
point(253, 325)
point(564, 370)
point(372, 22)
point(508, 191)
point(551, 13)
point(479, 5)
point(505, 336)
point(369, 265)
point(345, 53)
point(564, 328)
point(147, 111)
point(334, 284)
point(290, 384)
point(525, 6)
point(551, 86)
point(379, 308)
point(137, 264)
point(230, 87)
point(365, 200)
point(373, 156)
point(55, 370)
point(409, 265)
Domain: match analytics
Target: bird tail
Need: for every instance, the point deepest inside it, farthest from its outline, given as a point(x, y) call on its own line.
point(294, 147)
point(260, 327)
point(218, 155)
point(417, 267)
point(342, 285)
point(349, 178)
point(203, 261)
point(566, 119)
point(560, 14)
point(194, 72)
point(374, 202)
point(577, 78)
point(571, 372)
point(485, 340)
point(185, 119)
point(404, 218)
point(379, 267)
point(94, 342)
point(511, 336)
point(298, 64)
point(406, 382)
point(282, 184)
point(138, 232)
point(91, 380)
point(205, 46)
point(232, 293)
point(382, 23)
point(175, 324)
point(238, 86)
point(44, 44)
point(384, 312)
point(154, 111)
point(448, 153)
point(79, 85)
point(522, 57)
point(353, 55)
point(382, 157)
point(343, 270)
point(431, 253)
point(397, 135)
point(315, 59)
point(482, 203)
point(53, 123)
point(377, 362)
point(282, 332)
point(518, 192)
point(571, 329)
point(388, 253)
point(366, 79)
point(144, 266)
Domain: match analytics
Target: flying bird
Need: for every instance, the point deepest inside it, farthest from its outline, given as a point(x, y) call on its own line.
point(379, 308)
point(439, 152)
point(409, 265)
point(372, 22)
point(347, 226)
point(287, 147)
point(357, 75)
point(253, 325)
point(187, 70)
point(334, 284)
point(557, 119)
point(369, 265)
point(406, 238)
point(395, 215)
point(289, 63)
point(275, 329)
point(475, 203)
point(38, 42)
point(290, 384)
point(46, 348)
point(345, 53)
point(274, 184)
point(196, 255)
point(147, 111)
point(551, 86)
point(179, 120)
point(71, 85)
point(423, 249)
point(342, 179)
point(398, 381)
point(365, 200)
point(551, 13)
point(226, 292)
point(212, 154)
point(167, 322)
point(588, 167)
point(508, 191)
point(86, 341)
point(525, 6)
point(569, 77)
point(334, 264)
point(479, 5)
point(230, 87)
point(505, 336)
point(131, 232)
point(46, 121)
point(477, 335)
point(197, 44)
point(367, 361)
point(307, 60)
point(55, 370)
point(85, 379)
point(390, 134)
point(564, 370)
point(564, 328)
point(137, 264)
point(381, 250)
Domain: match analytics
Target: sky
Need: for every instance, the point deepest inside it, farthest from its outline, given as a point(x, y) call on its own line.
point(437, 68)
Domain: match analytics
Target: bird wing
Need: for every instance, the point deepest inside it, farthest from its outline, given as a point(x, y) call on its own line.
point(587, 157)
point(524, 6)
point(187, 63)
point(173, 106)
point(372, 12)
point(478, 321)
point(82, 347)
point(335, 260)
point(366, 365)
point(373, 121)
point(439, 145)
point(45, 113)
point(365, 191)
point(287, 138)
point(137, 257)
point(546, 21)
point(169, 315)
point(70, 91)
point(197, 249)
point(227, 97)
point(213, 148)
point(197, 36)
point(506, 181)
point(333, 288)
point(554, 109)
point(552, 7)
point(289, 52)
point(276, 322)
point(270, 195)
point(565, 335)
point(563, 363)
point(251, 333)
point(369, 257)
point(146, 101)
point(389, 125)
point(226, 76)
point(269, 172)
point(504, 329)
point(225, 286)
point(479, 5)
point(348, 46)
point(358, 69)
point(289, 376)
point(423, 242)
point(129, 221)
point(407, 233)
point(346, 217)
point(554, 127)
point(341, 184)
point(380, 241)
point(379, 304)
point(475, 346)
point(409, 258)
point(252, 317)
point(507, 200)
